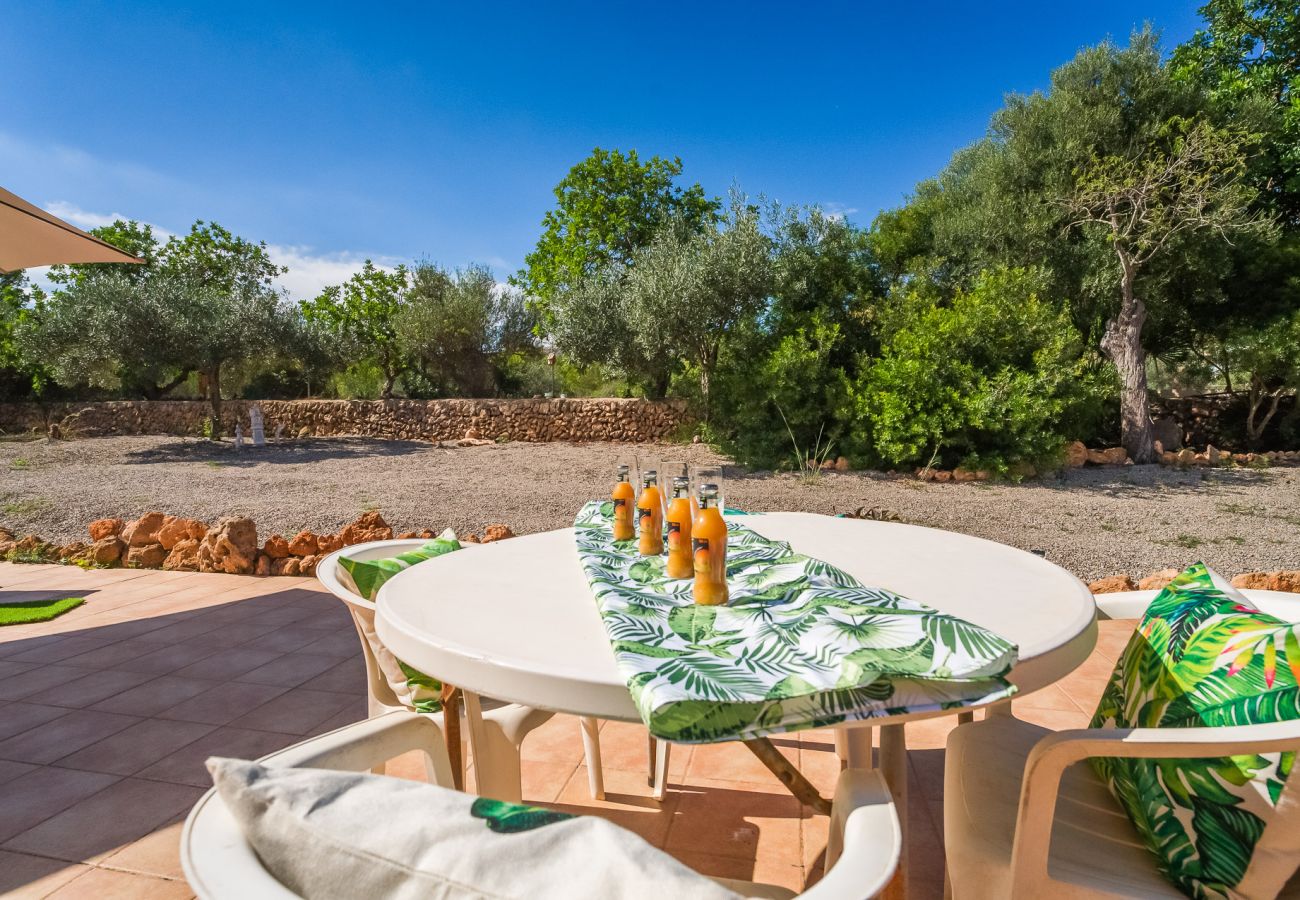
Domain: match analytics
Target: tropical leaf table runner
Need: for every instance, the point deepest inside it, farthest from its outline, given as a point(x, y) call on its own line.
point(801, 644)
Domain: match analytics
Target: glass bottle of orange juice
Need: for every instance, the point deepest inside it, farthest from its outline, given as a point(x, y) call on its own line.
point(624, 498)
point(650, 515)
point(709, 549)
point(678, 518)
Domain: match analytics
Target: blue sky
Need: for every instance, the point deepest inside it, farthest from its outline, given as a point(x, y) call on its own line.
point(436, 130)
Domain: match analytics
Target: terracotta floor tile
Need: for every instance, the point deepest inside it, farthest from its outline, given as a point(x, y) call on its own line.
point(736, 819)
point(107, 884)
point(624, 745)
point(117, 652)
point(226, 664)
point(24, 877)
point(348, 676)
point(290, 670)
point(9, 669)
point(543, 781)
point(11, 770)
point(627, 803)
point(290, 639)
point(821, 767)
point(34, 797)
point(157, 853)
point(39, 679)
point(733, 761)
point(166, 660)
point(335, 642)
point(59, 737)
point(295, 712)
point(104, 822)
point(185, 766)
point(1050, 697)
point(90, 689)
point(224, 703)
point(153, 697)
point(235, 633)
point(558, 740)
point(355, 711)
point(15, 718)
point(814, 831)
point(136, 747)
point(74, 645)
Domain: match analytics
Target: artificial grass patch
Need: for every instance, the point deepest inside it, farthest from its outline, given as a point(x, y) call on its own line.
point(37, 610)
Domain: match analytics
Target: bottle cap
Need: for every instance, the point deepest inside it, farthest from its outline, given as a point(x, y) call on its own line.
point(681, 485)
point(709, 490)
point(649, 476)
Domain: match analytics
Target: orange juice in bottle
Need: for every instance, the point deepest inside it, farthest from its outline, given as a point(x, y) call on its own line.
point(624, 498)
point(709, 549)
point(678, 518)
point(650, 515)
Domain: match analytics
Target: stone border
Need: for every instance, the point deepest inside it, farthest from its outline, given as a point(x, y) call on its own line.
point(159, 541)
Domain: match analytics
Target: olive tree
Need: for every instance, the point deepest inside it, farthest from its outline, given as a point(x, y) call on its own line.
point(1189, 179)
point(360, 317)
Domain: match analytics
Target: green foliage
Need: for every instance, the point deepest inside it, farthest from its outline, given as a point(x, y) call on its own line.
point(608, 207)
point(459, 327)
point(359, 319)
point(989, 377)
point(1248, 61)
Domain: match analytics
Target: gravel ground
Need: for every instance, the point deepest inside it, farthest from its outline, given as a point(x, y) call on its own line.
point(1094, 522)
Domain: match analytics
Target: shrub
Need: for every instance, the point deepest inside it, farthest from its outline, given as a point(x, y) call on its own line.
point(987, 379)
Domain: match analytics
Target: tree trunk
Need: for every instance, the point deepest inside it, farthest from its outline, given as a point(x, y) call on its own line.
point(659, 384)
point(1122, 342)
point(1258, 394)
point(389, 379)
point(214, 399)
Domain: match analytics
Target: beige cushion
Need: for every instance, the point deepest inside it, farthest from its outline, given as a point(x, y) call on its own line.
point(327, 834)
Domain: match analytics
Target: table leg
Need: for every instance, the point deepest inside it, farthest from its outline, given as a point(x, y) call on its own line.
point(660, 767)
point(853, 747)
point(893, 764)
point(591, 749)
point(650, 748)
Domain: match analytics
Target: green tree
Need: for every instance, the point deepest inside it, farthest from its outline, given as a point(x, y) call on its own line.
point(20, 374)
point(988, 378)
point(206, 300)
point(1248, 59)
point(1188, 179)
point(608, 207)
point(361, 317)
point(459, 326)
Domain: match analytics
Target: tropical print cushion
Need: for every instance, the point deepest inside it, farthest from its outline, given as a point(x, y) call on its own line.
point(799, 645)
point(369, 575)
point(1203, 655)
point(423, 692)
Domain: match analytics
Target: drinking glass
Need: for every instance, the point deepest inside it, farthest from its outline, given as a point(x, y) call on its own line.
point(670, 469)
point(708, 474)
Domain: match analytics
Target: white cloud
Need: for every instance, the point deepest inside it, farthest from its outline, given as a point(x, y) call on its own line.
point(309, 272)
point(837, 210)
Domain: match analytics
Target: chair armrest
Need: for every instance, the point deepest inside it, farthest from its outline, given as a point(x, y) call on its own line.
point(865, 839)
point(362, 746)
point(1056, 752)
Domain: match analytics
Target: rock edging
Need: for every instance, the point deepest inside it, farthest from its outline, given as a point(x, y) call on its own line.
point(160, 541)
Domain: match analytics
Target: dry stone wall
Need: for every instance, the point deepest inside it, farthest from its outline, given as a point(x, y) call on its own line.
point(578, 419)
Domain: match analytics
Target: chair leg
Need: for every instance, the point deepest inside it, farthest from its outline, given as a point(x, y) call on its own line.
point(496, 758)
point(660, 768)
point(451, 734)
point(591, 749)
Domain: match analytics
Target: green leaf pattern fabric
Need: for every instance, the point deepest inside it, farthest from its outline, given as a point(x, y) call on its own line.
point(801, 644)
point(504, 817)
point(1202, 656)
point(369, 575)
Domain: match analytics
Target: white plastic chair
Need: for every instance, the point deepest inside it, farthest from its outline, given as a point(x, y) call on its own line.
point(496, 730)
point(1021, 820)
point(861, 854)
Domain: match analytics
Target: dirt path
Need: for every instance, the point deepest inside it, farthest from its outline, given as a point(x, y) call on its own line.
point(1094, 522)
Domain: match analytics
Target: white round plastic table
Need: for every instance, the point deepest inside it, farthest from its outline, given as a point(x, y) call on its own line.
point(516, 620)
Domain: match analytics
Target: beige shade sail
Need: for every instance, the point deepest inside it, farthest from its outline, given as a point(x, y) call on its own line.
point(29, 236)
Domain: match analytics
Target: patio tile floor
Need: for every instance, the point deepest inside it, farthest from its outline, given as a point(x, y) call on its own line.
point(107, 714)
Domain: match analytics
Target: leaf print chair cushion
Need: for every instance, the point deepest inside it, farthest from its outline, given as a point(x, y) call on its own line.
point(328, 834)
point(1204, 656)
point(363, 574)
